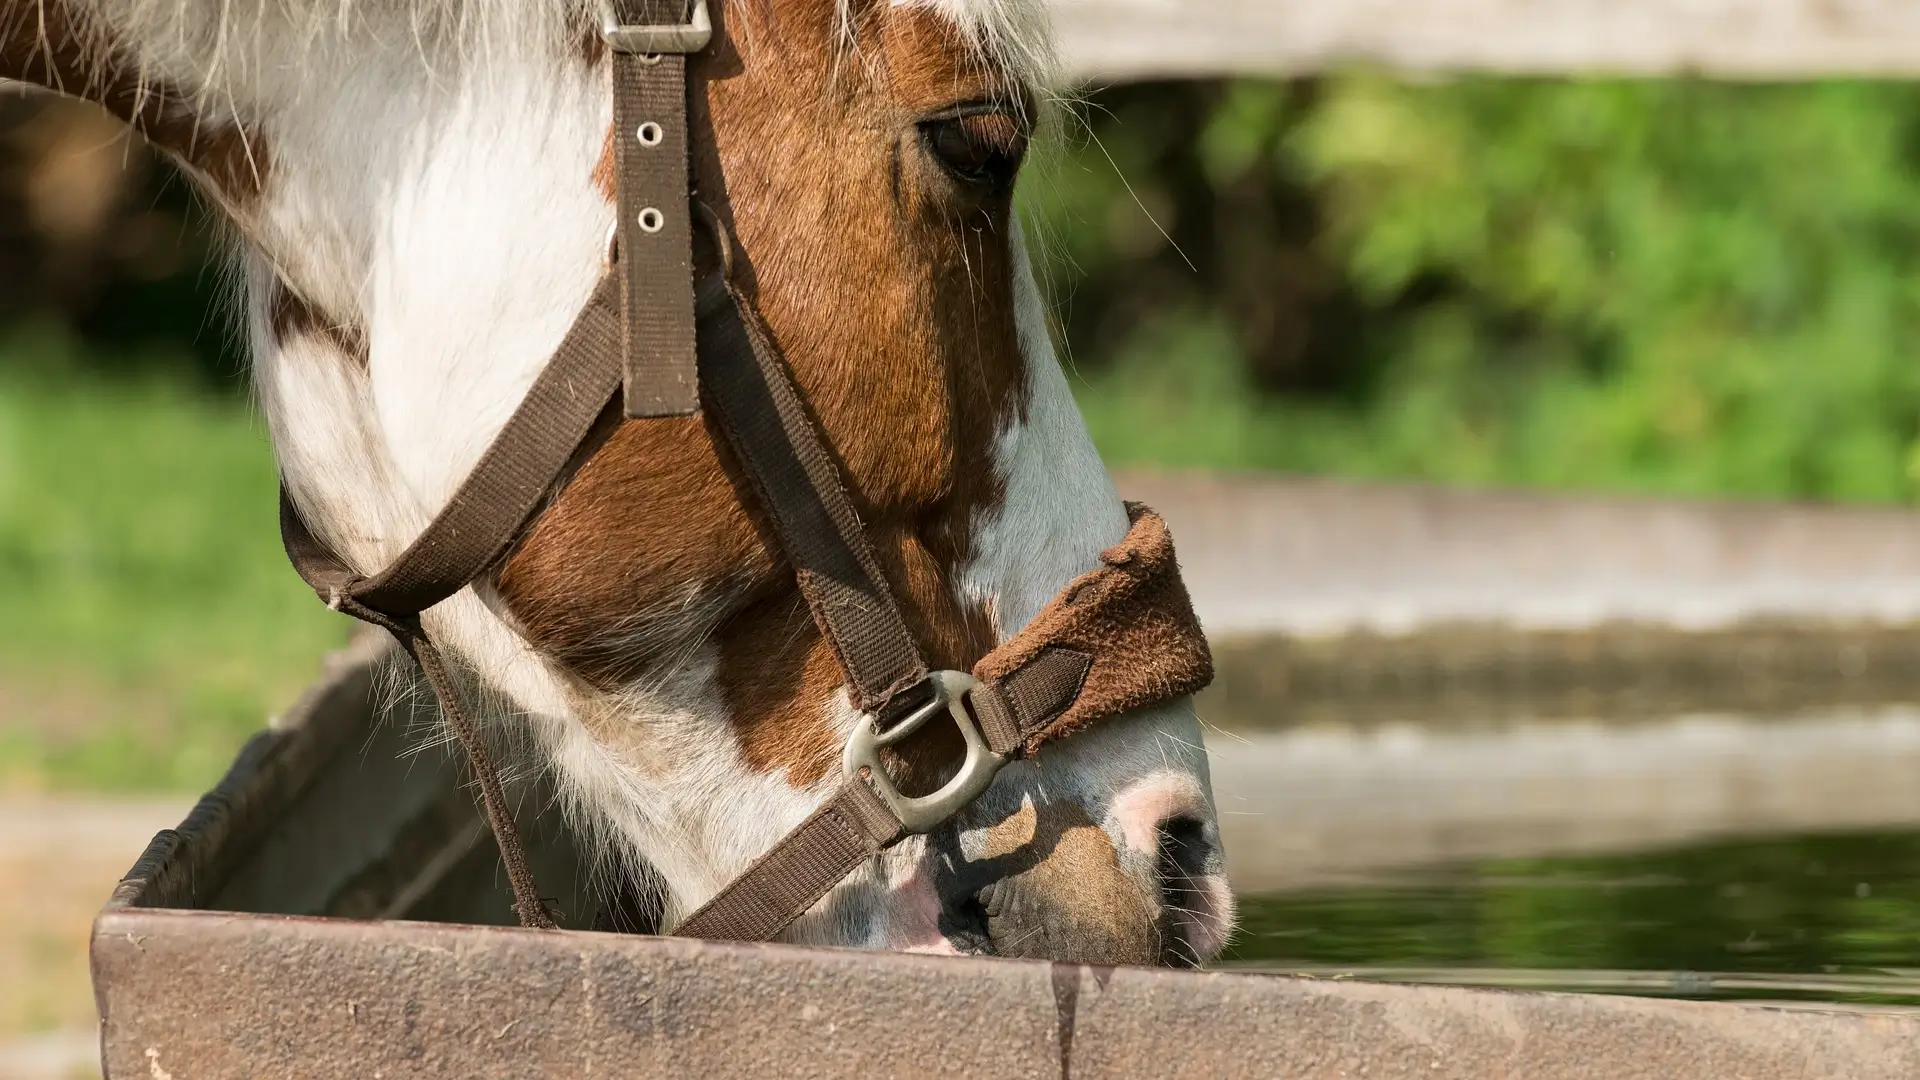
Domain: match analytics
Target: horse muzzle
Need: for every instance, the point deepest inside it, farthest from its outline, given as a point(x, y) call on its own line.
point(1048, 882)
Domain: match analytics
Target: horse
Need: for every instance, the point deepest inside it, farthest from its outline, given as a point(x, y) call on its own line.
point(422, 193)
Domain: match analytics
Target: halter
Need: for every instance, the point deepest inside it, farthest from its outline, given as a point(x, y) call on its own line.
point(652, 344)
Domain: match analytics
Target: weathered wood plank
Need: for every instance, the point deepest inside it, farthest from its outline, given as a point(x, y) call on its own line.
point(1123, 40)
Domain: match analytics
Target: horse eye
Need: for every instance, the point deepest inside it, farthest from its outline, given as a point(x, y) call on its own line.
point(980, 148)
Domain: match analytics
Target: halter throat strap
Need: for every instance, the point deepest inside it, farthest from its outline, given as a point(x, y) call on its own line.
point(644, 346)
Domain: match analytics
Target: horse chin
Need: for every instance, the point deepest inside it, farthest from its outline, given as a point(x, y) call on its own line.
point(914, 919)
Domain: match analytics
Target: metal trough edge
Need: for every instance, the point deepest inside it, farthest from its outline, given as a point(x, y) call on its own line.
point(202, 994)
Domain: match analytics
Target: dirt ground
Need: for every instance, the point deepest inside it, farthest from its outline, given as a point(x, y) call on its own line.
point(59, 859)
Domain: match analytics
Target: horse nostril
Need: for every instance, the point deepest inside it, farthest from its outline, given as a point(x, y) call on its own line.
point(1185, 856)
point(1185, 850)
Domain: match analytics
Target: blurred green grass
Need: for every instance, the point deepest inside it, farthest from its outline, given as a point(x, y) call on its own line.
point(148, 620)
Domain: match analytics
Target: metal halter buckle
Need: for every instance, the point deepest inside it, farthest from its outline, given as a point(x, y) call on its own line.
point(919, 814)
point(688, 37)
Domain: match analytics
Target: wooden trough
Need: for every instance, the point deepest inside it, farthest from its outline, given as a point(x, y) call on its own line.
point(333, 909)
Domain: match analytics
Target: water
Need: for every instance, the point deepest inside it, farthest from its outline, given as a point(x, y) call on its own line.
point(1832, 917)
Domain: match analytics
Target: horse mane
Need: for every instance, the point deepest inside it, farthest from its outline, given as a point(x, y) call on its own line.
point(211, 49)
point(1014, 35)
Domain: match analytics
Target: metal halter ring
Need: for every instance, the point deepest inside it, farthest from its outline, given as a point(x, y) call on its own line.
point(923, 813)
point(688, 37)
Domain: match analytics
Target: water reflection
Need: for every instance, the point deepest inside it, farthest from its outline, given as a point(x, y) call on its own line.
point(1808, 917)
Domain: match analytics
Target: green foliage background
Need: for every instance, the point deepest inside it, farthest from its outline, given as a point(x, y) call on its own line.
point(1662, 286)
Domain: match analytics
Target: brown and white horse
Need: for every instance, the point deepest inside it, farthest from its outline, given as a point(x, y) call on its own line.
point(424, 191)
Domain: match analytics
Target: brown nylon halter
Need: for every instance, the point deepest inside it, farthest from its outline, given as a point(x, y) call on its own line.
point(1119, 637)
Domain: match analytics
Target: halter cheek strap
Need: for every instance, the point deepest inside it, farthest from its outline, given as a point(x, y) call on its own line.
point(1119, 637)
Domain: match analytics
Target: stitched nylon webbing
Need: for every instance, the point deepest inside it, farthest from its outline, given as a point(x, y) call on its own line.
point(1129, 614)
point(793, 475)
point(795, 479)
point(796, 872)
point(656, 220)
point(473, 531)
point(509, 482)
point(787, 465)
point(1012, 709)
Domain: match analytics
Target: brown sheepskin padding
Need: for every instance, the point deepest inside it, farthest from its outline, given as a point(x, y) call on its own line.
point(1115, 639)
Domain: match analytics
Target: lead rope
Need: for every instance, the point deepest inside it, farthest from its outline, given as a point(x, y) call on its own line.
point(528, 905)
point(318, 565)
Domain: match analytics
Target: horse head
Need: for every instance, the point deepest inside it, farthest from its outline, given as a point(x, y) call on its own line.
point(425, 188)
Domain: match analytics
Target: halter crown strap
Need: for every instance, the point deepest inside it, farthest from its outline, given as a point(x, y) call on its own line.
point(650, 40)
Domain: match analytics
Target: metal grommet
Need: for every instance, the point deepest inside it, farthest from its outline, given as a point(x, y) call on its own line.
point(652, 220)
point(650, 134)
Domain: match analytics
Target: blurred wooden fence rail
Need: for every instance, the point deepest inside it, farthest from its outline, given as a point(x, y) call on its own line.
point(1130, 40)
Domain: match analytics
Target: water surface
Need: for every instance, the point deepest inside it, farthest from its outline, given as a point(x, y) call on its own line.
point(1813, 917)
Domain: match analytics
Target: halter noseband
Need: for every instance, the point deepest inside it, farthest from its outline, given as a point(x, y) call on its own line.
point(1117, 638)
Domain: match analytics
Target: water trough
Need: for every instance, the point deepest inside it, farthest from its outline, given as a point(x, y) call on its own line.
point(1408, 676)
